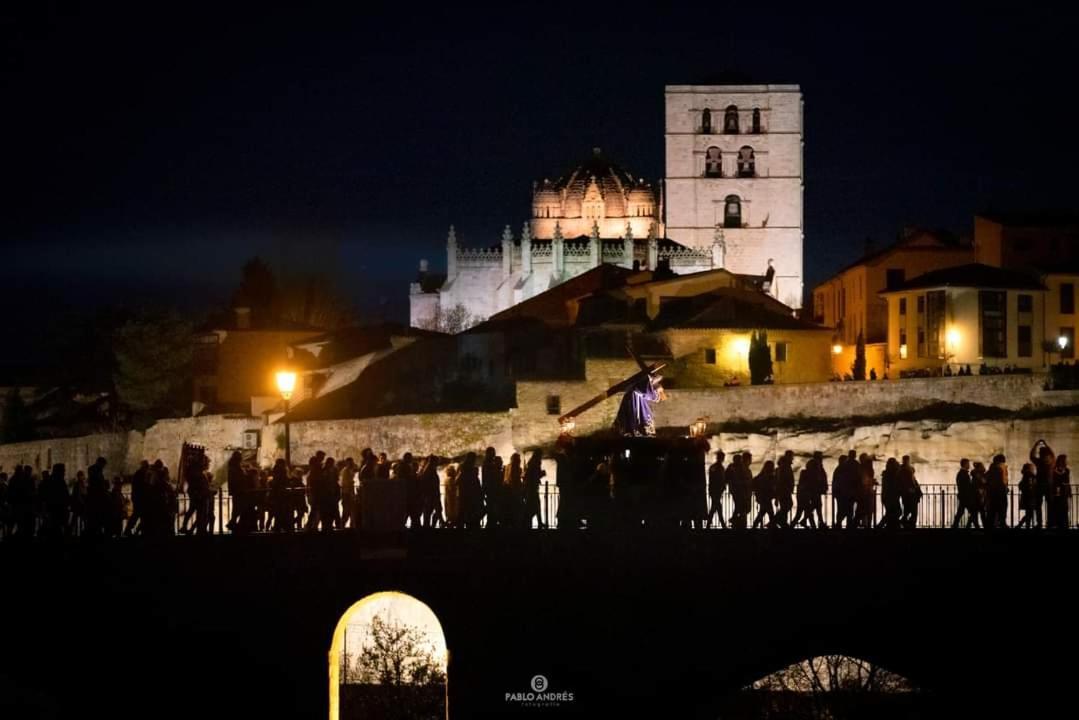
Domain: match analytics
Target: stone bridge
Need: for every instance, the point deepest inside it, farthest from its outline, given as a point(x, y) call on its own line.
point(659, 624)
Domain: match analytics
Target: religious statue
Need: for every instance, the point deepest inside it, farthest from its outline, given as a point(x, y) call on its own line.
point(635, 413)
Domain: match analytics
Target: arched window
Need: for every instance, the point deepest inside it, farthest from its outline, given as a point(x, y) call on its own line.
point(730, 120)
point(756, 121)
point(388, 648)
point(747, 165)
point(713, 162)
point(706, 121)
point(732, 212)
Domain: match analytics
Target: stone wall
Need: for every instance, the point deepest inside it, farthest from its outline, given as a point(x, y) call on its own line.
point(76, 453)
point(935, 448)
point(935, 445)
point(444, 434)
point(858, 399)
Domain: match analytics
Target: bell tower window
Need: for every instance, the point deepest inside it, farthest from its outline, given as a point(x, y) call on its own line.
point(732, 212)
point(730, 120)
point(747, 164)
point(713, 162)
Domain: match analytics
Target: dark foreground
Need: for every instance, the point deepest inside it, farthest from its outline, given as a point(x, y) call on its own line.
point(666, 624)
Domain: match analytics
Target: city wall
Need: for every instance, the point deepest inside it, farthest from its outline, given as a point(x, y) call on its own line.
point(766, 420)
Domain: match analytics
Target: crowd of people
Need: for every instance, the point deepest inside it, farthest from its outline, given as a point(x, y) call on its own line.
point(484, 491)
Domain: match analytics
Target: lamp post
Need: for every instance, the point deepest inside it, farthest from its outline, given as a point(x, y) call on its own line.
point(286, 383)
point(1062, 343)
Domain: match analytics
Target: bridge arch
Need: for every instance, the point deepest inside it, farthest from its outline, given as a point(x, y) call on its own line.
point(403, 608)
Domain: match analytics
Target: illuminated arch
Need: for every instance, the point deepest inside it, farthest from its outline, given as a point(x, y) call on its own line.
point(337, 642)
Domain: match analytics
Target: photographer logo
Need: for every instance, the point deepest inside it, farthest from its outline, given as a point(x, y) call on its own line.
point(541, 695)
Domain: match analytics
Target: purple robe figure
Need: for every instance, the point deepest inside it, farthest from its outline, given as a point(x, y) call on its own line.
point(635, 413)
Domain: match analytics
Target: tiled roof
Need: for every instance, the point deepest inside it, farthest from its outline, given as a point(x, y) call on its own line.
point(973, 275)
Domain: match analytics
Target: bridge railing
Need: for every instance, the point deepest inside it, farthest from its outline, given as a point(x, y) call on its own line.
point(937, 508)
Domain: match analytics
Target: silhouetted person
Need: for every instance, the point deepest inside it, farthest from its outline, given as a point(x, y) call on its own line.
point(784, 489)
point(841, 494)
point(430, 493)
point(964, 494)
point(717, 483)
point(346, 480)
point(55, 500)
point(865, 492)
point(764, 488)
point(512, 493)
point(280, 502)
point(236, 481)
point(470, 493)
point(534, 474)
point(160, 516)
point(382, 468)
point(804, 495)
point(1060, 493)
point(997, 484)
point(890, 496)
point(114, 526)
point(97, 499)
point(330, 494)
point(78, 503)
point(493, 476)
point(980, 482)
point(140, 486)
point(1028, 496)
point(910, 492)
point(1044, 462)
point(819, 482)
point(314, 487)
point(740, 482)
point(452, 494)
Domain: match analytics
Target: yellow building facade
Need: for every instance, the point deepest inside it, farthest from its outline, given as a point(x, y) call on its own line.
point(967, 315)
point(850, 301)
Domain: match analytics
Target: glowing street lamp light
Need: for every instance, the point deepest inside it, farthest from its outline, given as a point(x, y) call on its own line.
point(1062, 342)
point(837, 349)
point(952, 338)
point(697, 429)
point(286, 385)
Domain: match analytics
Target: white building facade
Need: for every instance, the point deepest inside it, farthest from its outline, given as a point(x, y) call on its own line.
point(734, 161)
point(596, 213)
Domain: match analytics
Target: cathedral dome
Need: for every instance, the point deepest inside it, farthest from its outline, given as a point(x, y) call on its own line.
point(641, 201)
point(546, 201)
point(613, 183)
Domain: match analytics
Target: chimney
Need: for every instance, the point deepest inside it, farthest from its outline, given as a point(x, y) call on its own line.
point(243, 318)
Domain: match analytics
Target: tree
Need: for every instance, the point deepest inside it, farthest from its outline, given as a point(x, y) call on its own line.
point(17, 424)
point(452, 320)
point(832, 687)
point(760, 358)
point(153, 366)
point(857, 370)
point(306, 298)
point(396, 653)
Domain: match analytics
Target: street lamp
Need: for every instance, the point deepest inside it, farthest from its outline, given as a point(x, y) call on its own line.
point(1062, 342)
point(286, 384)
point(697, 429)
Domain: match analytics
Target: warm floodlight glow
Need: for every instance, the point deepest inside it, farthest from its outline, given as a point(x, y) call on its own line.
point(698, 428)
point(286, 383)
point(952, 337)
point(1062, 341)
point(903, 351)
point(741, 346)
point(837, 349)
point(567, 426)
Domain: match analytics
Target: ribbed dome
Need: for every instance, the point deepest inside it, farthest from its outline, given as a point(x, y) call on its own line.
point(547, 194)
point(641, 194)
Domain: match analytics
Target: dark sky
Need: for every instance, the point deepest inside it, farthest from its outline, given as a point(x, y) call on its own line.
point(147, 151)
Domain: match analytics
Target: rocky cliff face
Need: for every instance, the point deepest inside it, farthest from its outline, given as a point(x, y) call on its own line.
point(935, 447)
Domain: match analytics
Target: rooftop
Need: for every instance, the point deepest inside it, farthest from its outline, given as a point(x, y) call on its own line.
point(972, 275)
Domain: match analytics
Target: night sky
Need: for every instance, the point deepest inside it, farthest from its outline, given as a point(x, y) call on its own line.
point(148, 150)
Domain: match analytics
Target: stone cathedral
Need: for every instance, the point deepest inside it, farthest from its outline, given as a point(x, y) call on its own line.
point(732, 198)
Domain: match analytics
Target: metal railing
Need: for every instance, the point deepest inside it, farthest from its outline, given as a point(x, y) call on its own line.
point(936, 509)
